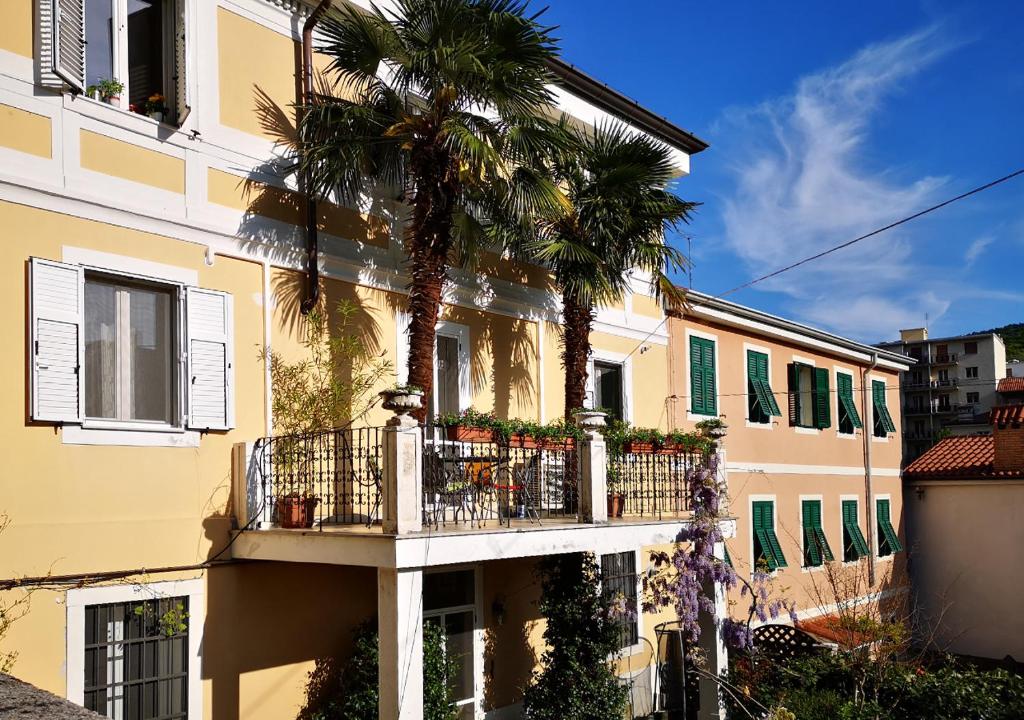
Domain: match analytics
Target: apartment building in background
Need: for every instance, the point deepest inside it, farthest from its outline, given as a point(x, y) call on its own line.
point(813, 451)
point(950, 389)
point(147, 262)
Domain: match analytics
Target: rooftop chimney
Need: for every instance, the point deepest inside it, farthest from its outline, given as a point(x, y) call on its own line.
point(1008, 434)
point(914, 335)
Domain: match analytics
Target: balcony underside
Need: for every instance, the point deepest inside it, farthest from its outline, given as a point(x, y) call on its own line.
point(368, 547)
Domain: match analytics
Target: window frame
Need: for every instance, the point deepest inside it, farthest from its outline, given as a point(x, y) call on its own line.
point(778, 562)
point(478, 627)
point(78, 598)
point(858, 542)
point(768, 424)
point(691, 414)
point(969, 375)
point(827, 555)
point(612, 358)
point(460, 333)
point(880, 533)
point(857, 422)
point(874, 379)
point(631, 649)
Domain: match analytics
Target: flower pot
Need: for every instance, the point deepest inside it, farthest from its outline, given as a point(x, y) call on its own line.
point(637, 447)
point(294, 511)
point(94, 95)
point(460, 433)
point(528, 442)
point(112, 100)
point(157, 115)
point(615, 503)
point(671, 449)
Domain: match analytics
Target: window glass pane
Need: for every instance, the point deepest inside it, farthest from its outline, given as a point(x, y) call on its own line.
point(145, 49)
point(150, 326)
point(459, 647)
point(449, 589)
point(608, 388)
point(99, 45)
point(446, 390)
point(100, 349)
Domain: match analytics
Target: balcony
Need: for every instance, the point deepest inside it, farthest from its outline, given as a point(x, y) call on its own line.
point(944, 359)
point(932, 408)
point(915, 384)
point(947, 384)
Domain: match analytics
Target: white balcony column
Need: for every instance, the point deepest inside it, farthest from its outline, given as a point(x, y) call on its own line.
point(713, 650)
point(400, 643)
point(250, 477)
point(403, 476)
point(593, 459)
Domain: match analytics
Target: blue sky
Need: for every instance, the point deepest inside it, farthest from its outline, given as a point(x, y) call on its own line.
point(827, 120)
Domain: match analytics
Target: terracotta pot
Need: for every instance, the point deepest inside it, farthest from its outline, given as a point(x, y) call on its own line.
point(469, 434)
point(528, 442)
point(634, 446)
point(671, 449)
point(615, 503)
point(294, 511)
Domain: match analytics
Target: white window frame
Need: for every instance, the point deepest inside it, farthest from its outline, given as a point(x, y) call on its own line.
point(460, 333)
point(871, 398)
point(745, 385)
point(838, 370)
point(612, 358)
point(640, 644)
point(800, 430)
point(77, 600)
point(478, 626)
point(800, 523)
point(751, 499)
point(842, 528)
point(690, 415)
point(877, 536)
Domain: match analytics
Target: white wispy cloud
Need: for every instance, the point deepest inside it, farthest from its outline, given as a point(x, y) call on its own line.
point(806, 182)
point(976, 248)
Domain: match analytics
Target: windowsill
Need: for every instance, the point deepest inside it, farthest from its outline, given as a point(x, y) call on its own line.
point(698, 417)
point(875, 438)
point(121, 117)
point(846, 436)
point(885, 558)
point(812, 568)
point(759, 426)
point(128, 435)
point(133, 426)
point(802, 430)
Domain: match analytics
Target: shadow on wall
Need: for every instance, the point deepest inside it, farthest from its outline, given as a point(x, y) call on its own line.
point(262, 619)
point(511, 345)
point(512, 625)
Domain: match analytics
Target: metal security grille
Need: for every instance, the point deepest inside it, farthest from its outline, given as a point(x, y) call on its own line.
point(136, 659)
point(618, 583)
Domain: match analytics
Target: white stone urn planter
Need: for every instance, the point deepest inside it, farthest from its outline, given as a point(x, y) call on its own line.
point(402, 401)
point(590, 420)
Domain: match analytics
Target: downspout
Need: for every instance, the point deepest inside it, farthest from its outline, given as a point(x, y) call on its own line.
point(869, 514)
point(312, 241)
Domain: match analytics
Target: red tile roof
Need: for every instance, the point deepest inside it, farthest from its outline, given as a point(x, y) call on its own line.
point(831, 628)
point(1011, 385)
point(969, 456)
point(1007, 415)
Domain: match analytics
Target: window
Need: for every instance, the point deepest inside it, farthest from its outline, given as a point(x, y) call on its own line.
point(971, 348)
point(854, 545)
point(816, 549)
point(446, 387)
point(761, 405)
point(943, 375)
point(144, 354)
point(882, 420)
point(136, 659)
point(608, 388)
point(767, 551)
point(944, 403)
point(888, 540)
point(703, 397)
point(809, 404)
point(972, 372)
point(449, 600)
point(848, 416)
point(973, 397)
point(140, 43)
point(618, 583)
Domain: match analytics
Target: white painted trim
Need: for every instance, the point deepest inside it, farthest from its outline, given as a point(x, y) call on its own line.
point(613, 358)
point(77, 600)
point(97, 260)
point(446, 328)
point(793, 469)
point(690, 415)
point(800, 523)
point(477, 607)
point(876, 536)
point(638, 646)
point(874, 438)
point(836, 371)
point(128, 437)
point(842, 545)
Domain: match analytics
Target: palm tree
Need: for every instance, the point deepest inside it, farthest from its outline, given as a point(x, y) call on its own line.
point(620, 207)
point(444, 99)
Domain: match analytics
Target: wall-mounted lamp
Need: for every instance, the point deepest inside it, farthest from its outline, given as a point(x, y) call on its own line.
point(919, 491)
point(498, 609)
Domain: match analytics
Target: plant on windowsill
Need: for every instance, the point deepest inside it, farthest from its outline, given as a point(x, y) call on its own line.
point(154, 107)
point(109, 90)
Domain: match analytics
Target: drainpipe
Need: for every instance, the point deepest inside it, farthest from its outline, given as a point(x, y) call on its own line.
point(869, 512)
point(312, 241)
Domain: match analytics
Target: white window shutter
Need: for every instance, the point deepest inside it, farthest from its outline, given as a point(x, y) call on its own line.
point(182, 95)
point(57, 352)
point(210, 359)
point(68, 32)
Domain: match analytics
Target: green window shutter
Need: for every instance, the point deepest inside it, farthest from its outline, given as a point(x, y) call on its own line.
point(881, 411)
point(812, 554)
point(855, 538)
point(845, 386)
point(793, 371)
point(728, 558)
point(764, 530)
point(886, 530)
point(757, 372)
point(822, 407)
point(702, 376)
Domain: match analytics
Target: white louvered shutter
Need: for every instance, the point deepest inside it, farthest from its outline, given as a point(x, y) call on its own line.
point(57, 348)
point(210, 359)
point(182, 96)
point(68, 49)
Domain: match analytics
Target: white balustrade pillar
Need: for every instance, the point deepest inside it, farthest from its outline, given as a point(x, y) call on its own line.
point(403, 476)
point(713, 650)
point(400, 643)
point(593, 459)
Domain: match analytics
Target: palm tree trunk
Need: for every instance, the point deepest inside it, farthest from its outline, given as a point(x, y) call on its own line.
point(578, 318)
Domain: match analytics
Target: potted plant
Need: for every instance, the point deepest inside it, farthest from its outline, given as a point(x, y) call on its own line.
point(530, 435)
point(154, 107)
point(678, 442)
point(93, 93)
point(616, 500)
point(109, 90)
point(468, 426)
point(402, 399)
point(297, 509)
point(642, 440)
point(713, 427)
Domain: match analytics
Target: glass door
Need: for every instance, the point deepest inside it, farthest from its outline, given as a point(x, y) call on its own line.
point(449, 600)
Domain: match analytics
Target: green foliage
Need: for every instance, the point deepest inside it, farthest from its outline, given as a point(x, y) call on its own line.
point(826, 686)
point(1013, 338)
point(172, 621)
point(619, 432)
point(351, 692)
point(333, 384)
point(556, 431)
point(108, 88)
point(576, 679)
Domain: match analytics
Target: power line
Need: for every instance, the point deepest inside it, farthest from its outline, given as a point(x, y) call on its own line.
point(848, 243)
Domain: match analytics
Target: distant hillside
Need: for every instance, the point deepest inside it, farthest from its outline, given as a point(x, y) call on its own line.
point(1013, 336)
